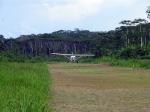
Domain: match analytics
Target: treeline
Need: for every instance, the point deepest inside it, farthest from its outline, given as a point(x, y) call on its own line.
point(131, 40)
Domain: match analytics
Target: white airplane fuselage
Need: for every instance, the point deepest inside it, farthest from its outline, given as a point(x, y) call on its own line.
point(73, 58)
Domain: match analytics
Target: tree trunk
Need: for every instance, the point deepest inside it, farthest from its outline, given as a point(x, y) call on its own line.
point(126, 41)
point(141, 42)
point(145, 40)
point(141, 35)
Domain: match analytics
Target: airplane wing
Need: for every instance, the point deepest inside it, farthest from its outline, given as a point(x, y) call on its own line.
point(84, 55)
point(59, 54)
point(80, 55)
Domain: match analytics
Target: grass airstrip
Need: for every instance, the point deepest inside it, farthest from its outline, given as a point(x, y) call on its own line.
point(73, 88)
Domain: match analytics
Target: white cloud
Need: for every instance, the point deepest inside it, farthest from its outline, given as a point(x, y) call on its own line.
point(71, 10)
point(37, 16)
point(76, 10)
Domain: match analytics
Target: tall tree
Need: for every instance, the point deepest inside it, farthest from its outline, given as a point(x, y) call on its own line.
point(2, 39)
point(126, 23)
point(148, 12)
point(140, 22)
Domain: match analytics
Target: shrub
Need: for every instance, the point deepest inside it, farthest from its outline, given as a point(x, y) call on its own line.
point(132, 52)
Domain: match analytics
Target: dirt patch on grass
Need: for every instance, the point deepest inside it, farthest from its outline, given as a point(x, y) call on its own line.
point(99, 88)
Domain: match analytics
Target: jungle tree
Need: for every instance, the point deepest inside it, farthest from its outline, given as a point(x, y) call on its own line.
point(140, 22)
point(126, 23)
point(148, 12)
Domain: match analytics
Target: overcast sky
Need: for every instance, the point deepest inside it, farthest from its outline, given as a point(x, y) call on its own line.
point(19, 17)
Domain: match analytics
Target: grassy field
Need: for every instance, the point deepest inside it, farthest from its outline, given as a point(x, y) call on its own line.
point(133, 63)
point(100, 88)
point(24, 87)
point(76, 88)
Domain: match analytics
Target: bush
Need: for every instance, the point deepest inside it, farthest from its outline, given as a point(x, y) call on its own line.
point(14, 57)
point(10, 56)
point(132, 52)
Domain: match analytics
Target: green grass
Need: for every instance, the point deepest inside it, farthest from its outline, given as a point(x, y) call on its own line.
point(134, 63)
point(24, 87)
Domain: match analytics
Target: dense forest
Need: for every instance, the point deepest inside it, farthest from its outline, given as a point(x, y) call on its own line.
point(130, 40)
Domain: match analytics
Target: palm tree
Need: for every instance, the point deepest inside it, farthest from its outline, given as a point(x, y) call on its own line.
point(126, 23)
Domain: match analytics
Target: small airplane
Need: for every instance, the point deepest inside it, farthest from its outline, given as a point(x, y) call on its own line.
point(73, 57)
